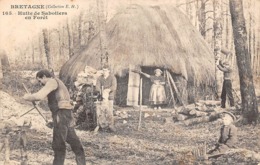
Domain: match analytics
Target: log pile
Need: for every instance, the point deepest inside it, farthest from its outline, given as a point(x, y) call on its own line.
point(202, 111)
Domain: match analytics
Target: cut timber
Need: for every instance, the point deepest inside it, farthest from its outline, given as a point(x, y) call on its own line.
point(182, 117)
point(103, 109)
point(199, 104)
point(168, 120)
point(203, 108)
point(197, 113)
point(202, 119)
point(210, 102)
point(190, 106)
point(183, 110)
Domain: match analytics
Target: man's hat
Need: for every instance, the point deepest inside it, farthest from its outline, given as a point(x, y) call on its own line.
point(230, 114)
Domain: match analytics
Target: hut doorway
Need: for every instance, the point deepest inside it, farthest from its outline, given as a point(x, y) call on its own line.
point(133, 93)
point(146, 83)
point(127, 93)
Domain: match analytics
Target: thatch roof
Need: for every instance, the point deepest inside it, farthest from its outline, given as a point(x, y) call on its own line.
point(159, 36)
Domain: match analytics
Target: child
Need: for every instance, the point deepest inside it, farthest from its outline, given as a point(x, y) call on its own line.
point(228, 134)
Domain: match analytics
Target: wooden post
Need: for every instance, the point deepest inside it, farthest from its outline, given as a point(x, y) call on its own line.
point(23, 145)
point(140, 112)
point(173, 101)
point(7, 149)
point(175, 88)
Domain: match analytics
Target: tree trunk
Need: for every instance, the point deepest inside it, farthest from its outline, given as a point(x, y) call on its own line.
point(1, 69)
point(202, 19)
point(188, 10)
point(40, 51)
point(102, 35)
point(217, 27)
point(80, 29)
point(60, 48)
point(249, 102)
point(33, 57)
point(69, 39)
point(258, 55)
point(202, 119)
point(197, 14)
point(47, 48)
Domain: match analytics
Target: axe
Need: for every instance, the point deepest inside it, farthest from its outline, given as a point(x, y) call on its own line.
point(34, 106)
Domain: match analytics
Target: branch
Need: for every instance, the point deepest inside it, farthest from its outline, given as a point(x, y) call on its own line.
point(210, 18)
point(186, 3)
point(226, 14)
point(208, 11)
point(208, 30)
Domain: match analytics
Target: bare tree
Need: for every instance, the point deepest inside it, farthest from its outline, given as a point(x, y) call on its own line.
point(202, 18)
point(249, 102)
point(40, 51)
point(33, 56)
point(47, 48)
point(102, 35)
point(69, 39)
point(217, 26)
point(80, 29)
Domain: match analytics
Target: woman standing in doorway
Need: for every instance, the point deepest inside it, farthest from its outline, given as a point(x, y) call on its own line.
point(157, 95)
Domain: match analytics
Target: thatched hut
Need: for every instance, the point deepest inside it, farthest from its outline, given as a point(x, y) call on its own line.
point(149, 37)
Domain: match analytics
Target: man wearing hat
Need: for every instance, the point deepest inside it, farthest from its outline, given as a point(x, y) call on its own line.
point(227, 85)
point(228, 134)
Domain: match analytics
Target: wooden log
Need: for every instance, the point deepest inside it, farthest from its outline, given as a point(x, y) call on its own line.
point(202, 119)
point(168, 120)
point(181, 117)
point(202, 108)
point(199, 104)
point(190, 106)
point(183, 110)
point(210, 102)
point(192, 112)
point(198, 113)
point(103, 109)
point(186, 109)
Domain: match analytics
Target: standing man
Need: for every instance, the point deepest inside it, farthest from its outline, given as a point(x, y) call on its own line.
point(61, 108)
point(227, 85)
point(106, 85)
